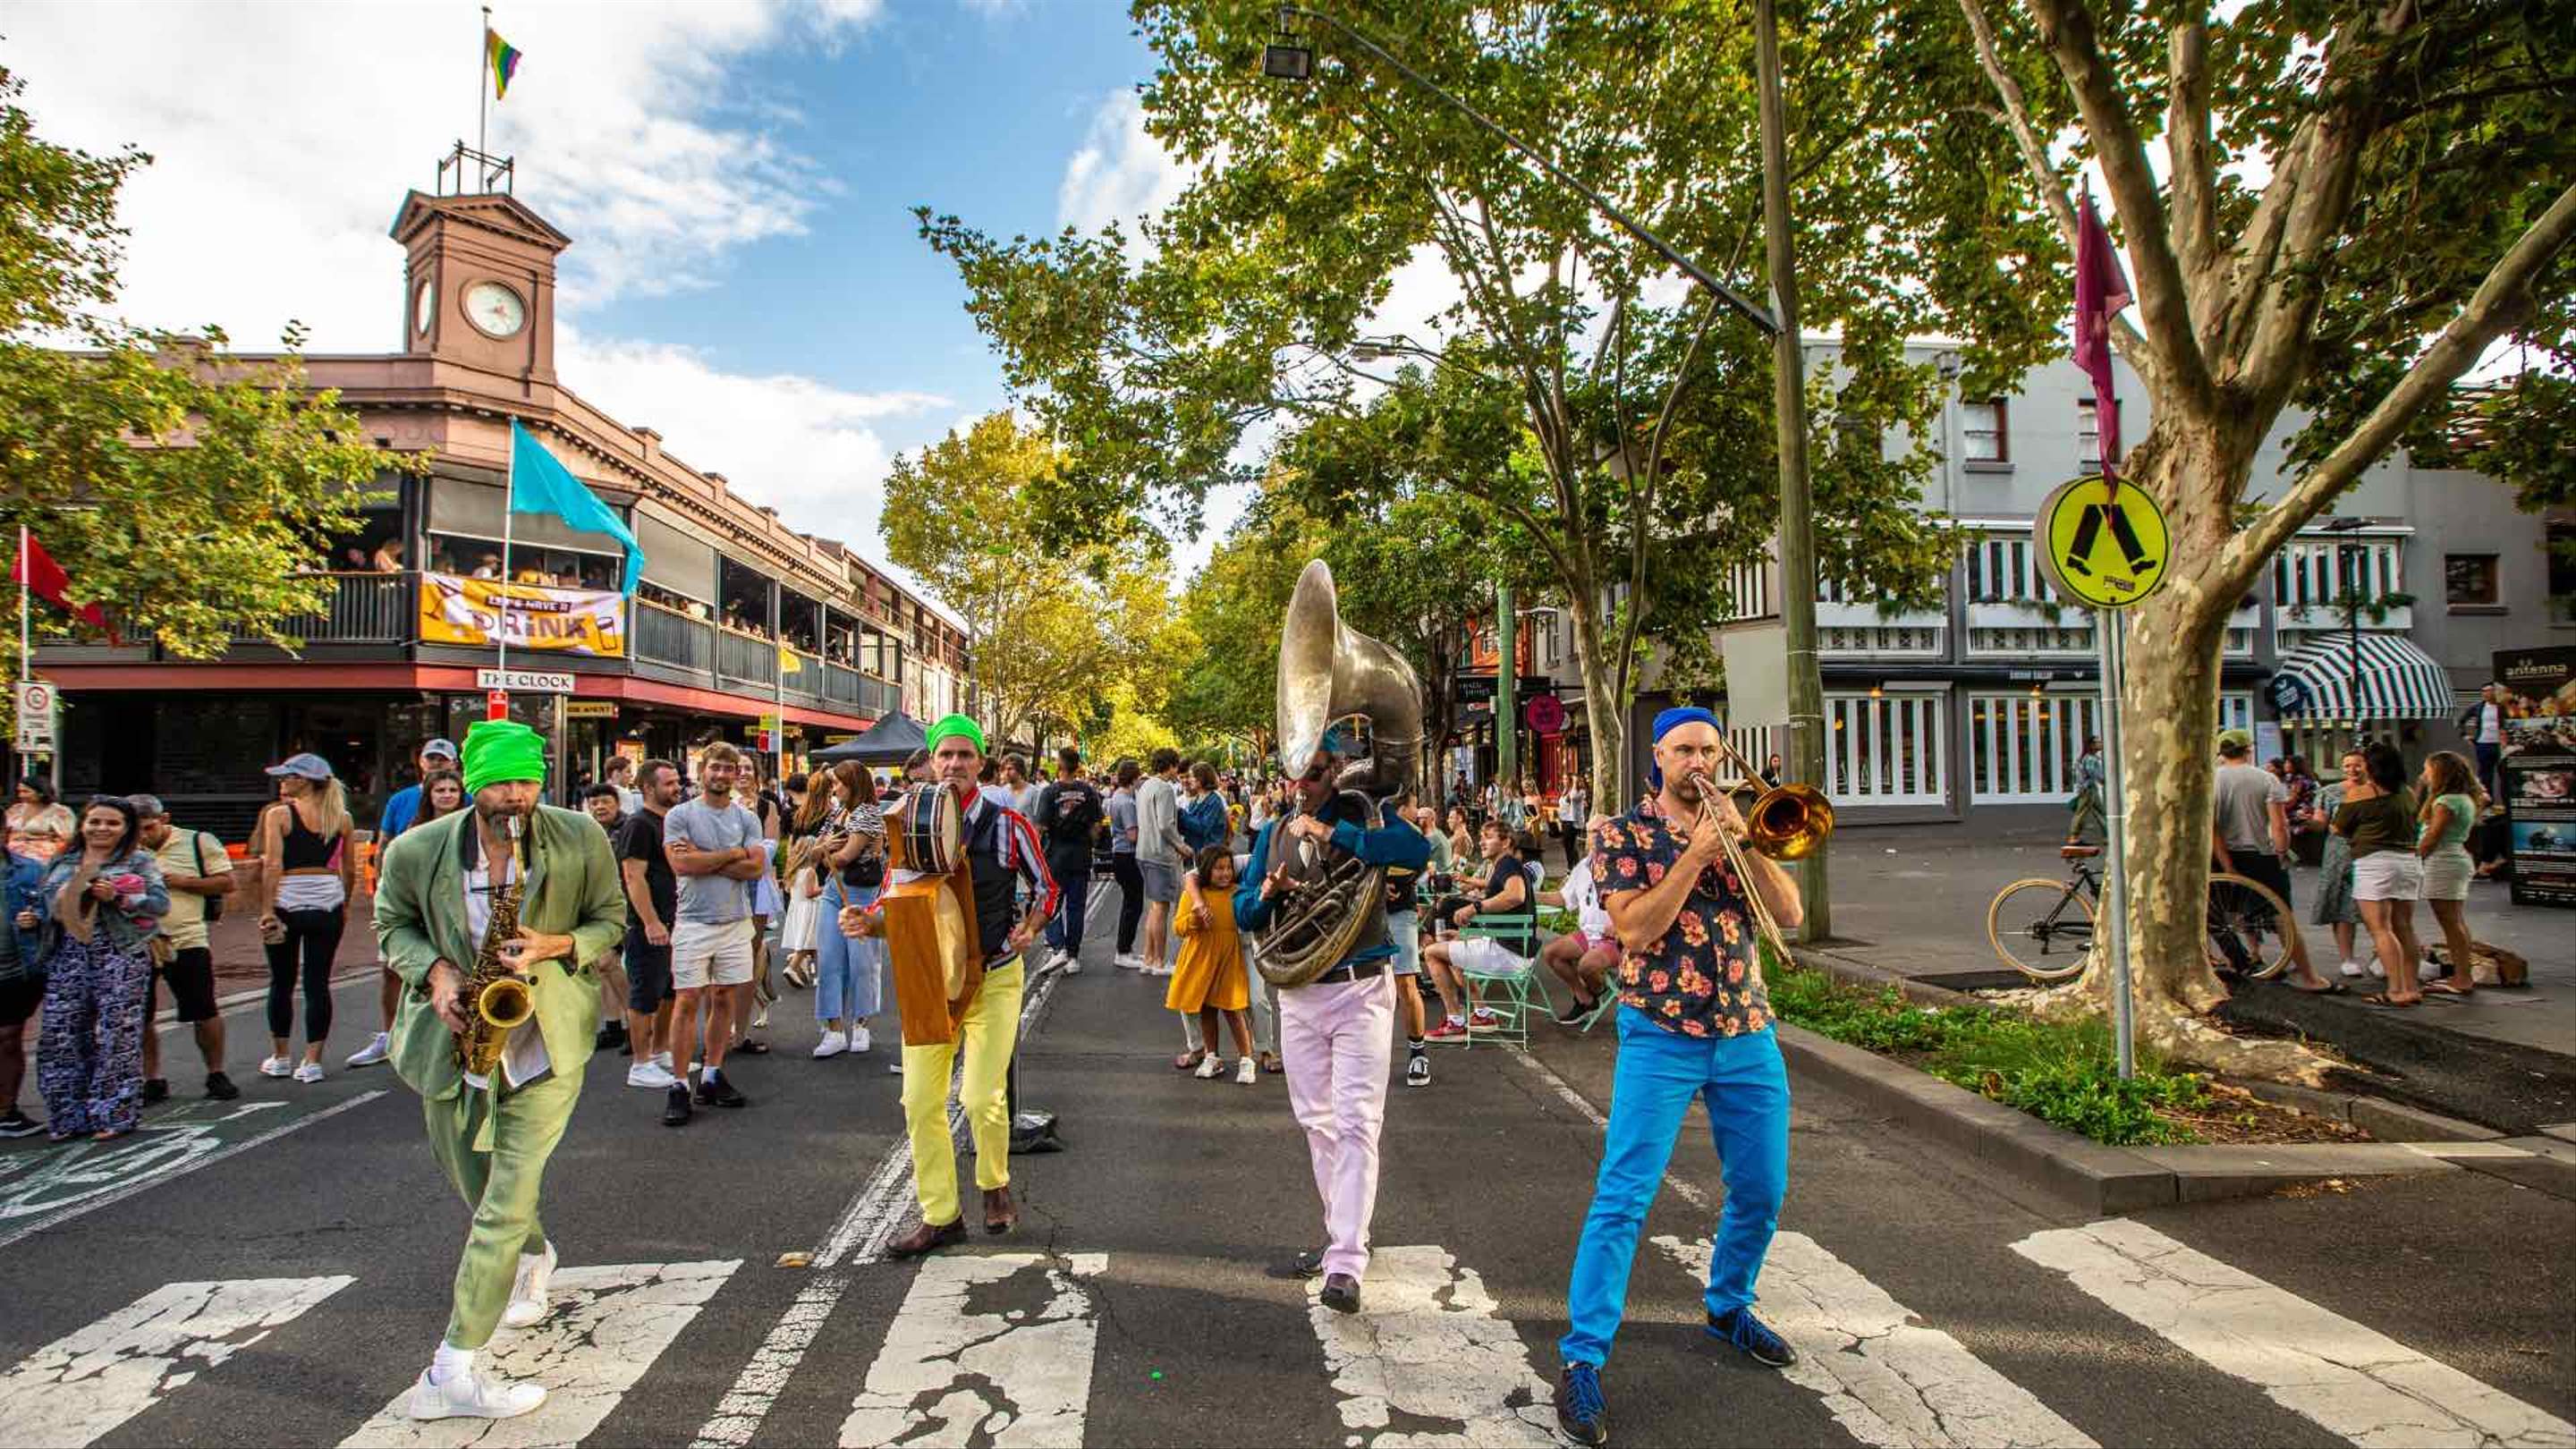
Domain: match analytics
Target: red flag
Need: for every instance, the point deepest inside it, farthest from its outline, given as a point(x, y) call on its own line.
point(37, 570)
point(2101, 291)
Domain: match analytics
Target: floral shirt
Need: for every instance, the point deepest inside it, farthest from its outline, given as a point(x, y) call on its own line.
point(1702, 978)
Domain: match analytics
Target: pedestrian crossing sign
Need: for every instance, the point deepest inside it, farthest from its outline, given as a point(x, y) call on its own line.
point(2105, 547)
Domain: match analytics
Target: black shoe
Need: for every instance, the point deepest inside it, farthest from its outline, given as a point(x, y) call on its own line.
point(1417, 1070)
point(715, 1091)
point(1580, 1410)
point(1752, 1337)
point(220, 1088)
point(1575, 1011)
point(14, 1123)
point(675, 1106)
point(611, 1034)
point(1342, 1293)
point(155, 1089)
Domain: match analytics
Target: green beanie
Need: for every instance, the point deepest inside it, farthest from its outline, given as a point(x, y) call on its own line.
point(955, 724)
point(500, 750)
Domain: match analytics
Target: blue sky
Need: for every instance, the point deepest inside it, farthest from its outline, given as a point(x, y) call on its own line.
point(737, 175)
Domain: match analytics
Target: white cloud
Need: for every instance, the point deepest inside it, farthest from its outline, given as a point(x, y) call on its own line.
point(1120, 172)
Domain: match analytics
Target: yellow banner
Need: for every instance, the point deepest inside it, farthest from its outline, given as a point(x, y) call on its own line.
point(536, 617)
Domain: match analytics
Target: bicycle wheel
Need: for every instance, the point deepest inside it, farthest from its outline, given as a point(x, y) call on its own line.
point(2250, 925)
point(2042, 928)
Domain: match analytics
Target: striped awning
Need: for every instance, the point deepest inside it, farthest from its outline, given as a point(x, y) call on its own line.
point(2396, 679)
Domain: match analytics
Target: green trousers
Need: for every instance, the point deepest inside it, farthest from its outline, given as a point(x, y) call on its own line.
point(498, 1177)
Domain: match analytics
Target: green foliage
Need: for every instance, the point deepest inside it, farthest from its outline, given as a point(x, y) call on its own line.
point(2060, 1072)
point(184, 486)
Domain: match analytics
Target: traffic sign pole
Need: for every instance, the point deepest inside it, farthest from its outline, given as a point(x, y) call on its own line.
point(2111, 626)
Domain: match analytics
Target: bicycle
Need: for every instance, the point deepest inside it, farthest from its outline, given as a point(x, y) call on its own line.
point(2043, 928)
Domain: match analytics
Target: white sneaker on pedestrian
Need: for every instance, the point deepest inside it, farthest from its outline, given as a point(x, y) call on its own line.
point(832, 1045)
point(1072, 963)
point(1130, 961)
point(651, 1076)
point(309, 1073)
point(1159, 968)
point(473, 1396)
point(277, 1067)
point(2350, 967)
point(894, 1067)
point(859, 1039)
point(378, 1047)
point(2375, 968)
point(760, 1019)
point(1246, 1072)
point(528, 1293)
point(1209, 1068)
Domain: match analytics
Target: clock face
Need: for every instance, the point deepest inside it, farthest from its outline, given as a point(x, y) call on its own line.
point(424, 302)
point(495, 309)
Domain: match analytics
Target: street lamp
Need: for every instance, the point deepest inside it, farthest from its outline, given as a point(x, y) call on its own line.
point(2348, 559)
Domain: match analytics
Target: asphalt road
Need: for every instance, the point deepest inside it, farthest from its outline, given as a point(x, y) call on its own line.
point(1133, 1305)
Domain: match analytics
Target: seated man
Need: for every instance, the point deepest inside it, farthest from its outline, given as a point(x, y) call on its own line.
point(1506, 892)
point(1582, 957)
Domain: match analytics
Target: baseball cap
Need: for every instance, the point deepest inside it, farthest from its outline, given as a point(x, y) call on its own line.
point(2233, 741)
point(308, 765)
point(441, 747)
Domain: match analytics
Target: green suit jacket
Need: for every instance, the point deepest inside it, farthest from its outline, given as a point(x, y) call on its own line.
point(573, 889)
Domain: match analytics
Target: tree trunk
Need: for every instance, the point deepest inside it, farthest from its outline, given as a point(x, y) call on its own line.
point(1602, 707)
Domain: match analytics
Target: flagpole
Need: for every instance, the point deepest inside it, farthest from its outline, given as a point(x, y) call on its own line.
point(26, 658)
point(483, 103)
point(509, 497)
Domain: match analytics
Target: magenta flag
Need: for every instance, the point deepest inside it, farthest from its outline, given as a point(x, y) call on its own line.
point(2101, 291)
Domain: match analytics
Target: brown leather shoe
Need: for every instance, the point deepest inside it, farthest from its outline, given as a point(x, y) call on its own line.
point(928, 1239)
point(999, 1211)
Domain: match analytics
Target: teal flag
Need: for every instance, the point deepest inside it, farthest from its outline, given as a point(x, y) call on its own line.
point(539, 484)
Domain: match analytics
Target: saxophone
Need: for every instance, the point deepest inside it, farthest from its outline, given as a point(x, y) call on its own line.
point(496, 998)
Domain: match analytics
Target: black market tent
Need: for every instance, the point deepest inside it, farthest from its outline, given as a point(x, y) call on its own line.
point(890, 741)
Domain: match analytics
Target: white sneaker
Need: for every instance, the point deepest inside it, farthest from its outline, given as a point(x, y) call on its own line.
point(833, 1044)
point(760, 1019)
point(528, 1294)
point(1072, 963)
point(473, 1396)
point(1130, 961)
point(277, 1067)
point(2350, 967)
point(651, 1076)
point(1209, 1068)
point(1246, 1072)
point(1159, 968)
point(894, 1067)
point(662, 1060)
point(378, 1047)
point(860, 1041)
point(309, 1073)
point(2375, 968)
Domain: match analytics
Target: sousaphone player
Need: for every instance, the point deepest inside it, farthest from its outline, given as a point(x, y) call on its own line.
point(1315, 891)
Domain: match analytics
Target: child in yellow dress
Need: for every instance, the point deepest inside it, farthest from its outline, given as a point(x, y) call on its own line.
point(1209, 978)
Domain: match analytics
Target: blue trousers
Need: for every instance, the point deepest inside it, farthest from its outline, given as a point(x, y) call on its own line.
point(1064, 929)
point(1747, 1091)
point(848, 975)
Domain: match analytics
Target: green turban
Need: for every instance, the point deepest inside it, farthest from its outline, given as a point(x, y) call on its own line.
point(955, 724)
point(501, 750)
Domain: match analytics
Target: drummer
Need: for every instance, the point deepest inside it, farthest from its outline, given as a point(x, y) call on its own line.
point(1002, 852)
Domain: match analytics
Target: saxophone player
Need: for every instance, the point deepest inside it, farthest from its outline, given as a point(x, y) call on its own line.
point(440, 886)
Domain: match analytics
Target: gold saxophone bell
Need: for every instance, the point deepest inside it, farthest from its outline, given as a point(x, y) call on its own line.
point(505, 1004)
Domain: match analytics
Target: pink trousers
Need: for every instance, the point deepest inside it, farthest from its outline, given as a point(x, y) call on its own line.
point(1336, 1040)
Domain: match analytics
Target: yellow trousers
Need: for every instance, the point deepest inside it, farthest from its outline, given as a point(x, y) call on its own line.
point(988, 1035)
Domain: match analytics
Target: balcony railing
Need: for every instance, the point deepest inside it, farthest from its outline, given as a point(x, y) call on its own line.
point(746, 658)
point(366, 608)
point(667, 636)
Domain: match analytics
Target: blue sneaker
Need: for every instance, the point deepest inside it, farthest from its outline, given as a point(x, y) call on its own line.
point(1753, 1337)
point(1580, 1410)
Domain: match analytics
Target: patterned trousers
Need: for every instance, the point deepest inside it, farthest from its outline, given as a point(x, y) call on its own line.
point(90, 1054)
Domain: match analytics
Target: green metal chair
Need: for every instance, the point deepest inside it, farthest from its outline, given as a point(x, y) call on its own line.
point(1507, 994)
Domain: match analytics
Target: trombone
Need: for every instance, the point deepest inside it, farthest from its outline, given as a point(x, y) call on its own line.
point(1784, 822)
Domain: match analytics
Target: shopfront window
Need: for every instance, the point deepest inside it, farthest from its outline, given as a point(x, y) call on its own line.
point(743, 597)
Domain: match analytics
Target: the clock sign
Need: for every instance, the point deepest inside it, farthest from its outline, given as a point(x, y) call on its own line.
point(495, 309)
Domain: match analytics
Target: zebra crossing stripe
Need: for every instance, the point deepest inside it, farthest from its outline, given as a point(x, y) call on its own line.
point(2347, 1378)
point(83, 1385)
point(608, 1326)
point(1016, 1376)
point(1890, 1380)
point(1428, 1344)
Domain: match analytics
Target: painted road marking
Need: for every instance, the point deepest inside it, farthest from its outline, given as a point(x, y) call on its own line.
point(39, 1190)
point(2358, 1383)
point(1428, 1344)
point(609, 1325)
point(1014, 1373)
point(1887, 1378)
point(876, 1213)
point(79, 1387)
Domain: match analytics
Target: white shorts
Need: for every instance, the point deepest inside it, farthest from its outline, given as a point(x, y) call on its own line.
point(1485, 956)
point(705, 953)
point(2388, 875)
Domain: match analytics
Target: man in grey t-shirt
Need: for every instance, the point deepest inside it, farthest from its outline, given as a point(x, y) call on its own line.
point(2250, 835)
point(716, 849)
point(1158, 855)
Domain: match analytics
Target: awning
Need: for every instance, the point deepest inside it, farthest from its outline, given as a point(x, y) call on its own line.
point(2396, 679)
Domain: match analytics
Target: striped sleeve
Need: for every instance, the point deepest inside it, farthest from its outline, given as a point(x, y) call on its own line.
point(1022, 853)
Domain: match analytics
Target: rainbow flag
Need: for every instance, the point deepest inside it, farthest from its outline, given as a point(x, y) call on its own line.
point(503, 57)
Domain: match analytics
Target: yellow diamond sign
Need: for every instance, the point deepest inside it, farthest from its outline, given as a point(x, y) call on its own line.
point(2102, 547)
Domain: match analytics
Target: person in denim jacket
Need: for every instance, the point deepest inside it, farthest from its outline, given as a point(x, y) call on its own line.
point(22, 988)
point(97, 904)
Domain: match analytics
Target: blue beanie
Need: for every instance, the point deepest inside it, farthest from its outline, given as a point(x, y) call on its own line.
point(1669, 720)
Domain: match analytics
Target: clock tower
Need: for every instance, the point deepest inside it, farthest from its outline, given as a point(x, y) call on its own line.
point(479, 284)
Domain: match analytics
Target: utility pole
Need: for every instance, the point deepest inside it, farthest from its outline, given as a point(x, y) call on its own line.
point(1806, 753)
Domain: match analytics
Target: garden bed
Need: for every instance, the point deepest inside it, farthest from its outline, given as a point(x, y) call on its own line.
point(2063, 1073)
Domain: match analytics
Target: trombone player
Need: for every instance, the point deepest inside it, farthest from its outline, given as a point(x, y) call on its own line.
point(440, 886)
point(1688, 903)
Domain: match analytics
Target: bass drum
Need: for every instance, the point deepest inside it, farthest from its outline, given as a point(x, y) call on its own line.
point(931, 836)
